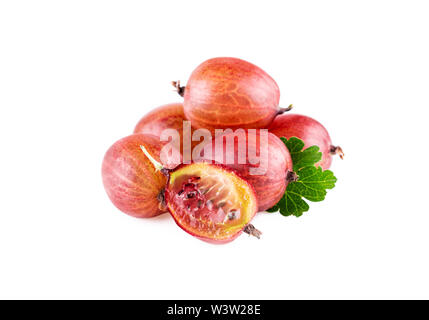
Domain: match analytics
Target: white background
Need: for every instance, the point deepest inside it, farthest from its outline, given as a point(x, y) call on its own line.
point(75, 76)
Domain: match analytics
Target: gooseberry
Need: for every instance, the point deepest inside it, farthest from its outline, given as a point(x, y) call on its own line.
point(130, 180)
point(210, 202)
point(263, 161)
point(310, 131)
point(168, 117)
point(230, 93)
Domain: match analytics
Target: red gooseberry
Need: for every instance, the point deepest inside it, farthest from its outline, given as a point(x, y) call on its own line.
point(168, 117)
point(210, 202)
point(310, 131)
point(130, 180)
point(230, 93)
point(262, 160)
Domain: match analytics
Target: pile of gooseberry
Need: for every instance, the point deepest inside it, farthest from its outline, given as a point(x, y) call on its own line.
point(209, 197)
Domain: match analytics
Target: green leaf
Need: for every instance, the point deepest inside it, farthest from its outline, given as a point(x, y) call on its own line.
point(302, 158)
point(311, 184)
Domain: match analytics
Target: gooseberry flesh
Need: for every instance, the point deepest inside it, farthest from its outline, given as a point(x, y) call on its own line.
point(211, 202)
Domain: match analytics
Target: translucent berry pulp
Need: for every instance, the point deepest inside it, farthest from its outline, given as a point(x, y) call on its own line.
point(210, 201)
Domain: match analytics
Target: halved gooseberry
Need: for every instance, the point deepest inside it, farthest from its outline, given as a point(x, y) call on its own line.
point(210, 202)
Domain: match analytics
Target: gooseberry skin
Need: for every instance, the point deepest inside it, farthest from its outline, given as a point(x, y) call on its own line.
point(195, 221)
point(169, 116)
point(130, 179)
point(308, 130)
point(269, 187)
point(230, 93)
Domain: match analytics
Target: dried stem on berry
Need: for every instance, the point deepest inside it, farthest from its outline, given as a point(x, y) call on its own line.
point(180, 89)
point(252, 231)
point(337, 150)
point(161, 198)
point(291, 176)
point(283, 110)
